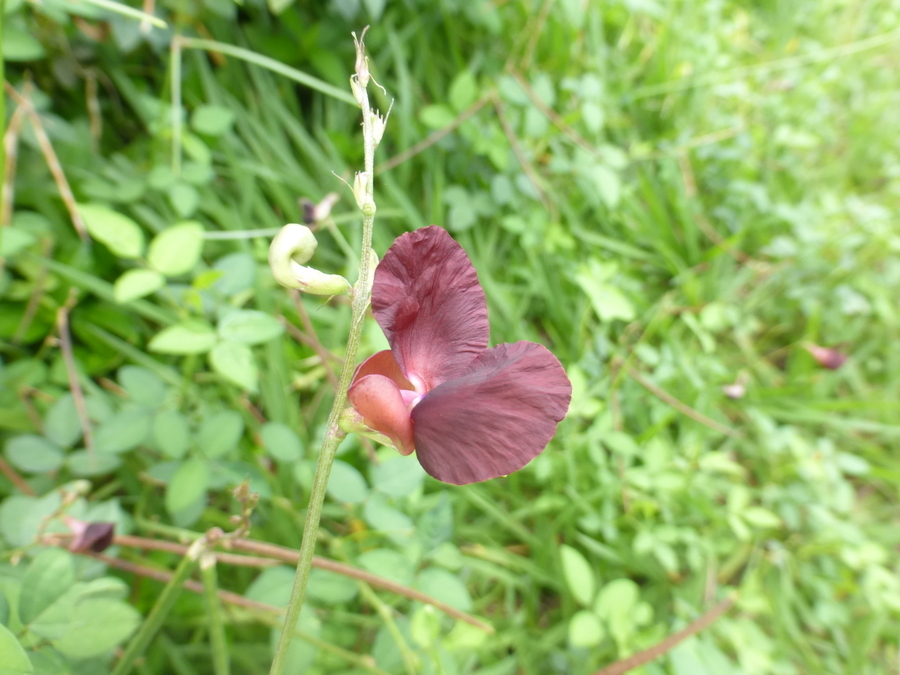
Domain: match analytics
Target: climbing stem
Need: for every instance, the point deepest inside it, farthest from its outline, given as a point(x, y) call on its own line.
point(361, 293)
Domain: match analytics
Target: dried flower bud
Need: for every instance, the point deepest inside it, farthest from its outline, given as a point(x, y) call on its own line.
point(734, 391)
point(95, 537)
point(362, 63)
point(292, 246)
point(360, 189)
point(826, 356)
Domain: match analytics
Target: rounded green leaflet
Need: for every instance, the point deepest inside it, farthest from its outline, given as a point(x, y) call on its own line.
point(346, 484)
point(281, 442)
point(171, 433)
point(121, 235)
point(142, 385)
point(177, 249)
point(123, 431)
point(189, 337)
point(249, 327)
point(34, 454)
point(13, 659)
point(97, 625)
point(136, 284)
point(236, 363)
point(446, 587)
point(398, 477)
point(585, 629)
point(212, 120)
point(188, 485)
point(48, 576)
point(220, 432)
point(578, 574)
point(61, 425)
point(184, 198)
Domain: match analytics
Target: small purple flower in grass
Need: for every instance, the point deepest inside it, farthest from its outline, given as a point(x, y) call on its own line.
point(470, 413)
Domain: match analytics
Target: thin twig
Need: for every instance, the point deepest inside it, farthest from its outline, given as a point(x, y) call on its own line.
point(657, 650)
point(52, 160)
point(519, 152)
point(434, 137)
point(7, 470)
point(290, 555)
point(682, 407)
point(190, 585)
point(65, 346)
point(272, 554)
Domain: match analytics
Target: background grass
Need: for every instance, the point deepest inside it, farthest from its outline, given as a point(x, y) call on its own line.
point(673, 197)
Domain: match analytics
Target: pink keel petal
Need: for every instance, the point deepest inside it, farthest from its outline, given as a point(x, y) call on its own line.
point(495, 418)
point(429, 303)
point(378, 399)
point(383, 363)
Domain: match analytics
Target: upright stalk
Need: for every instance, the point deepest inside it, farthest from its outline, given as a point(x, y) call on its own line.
point(373, 127)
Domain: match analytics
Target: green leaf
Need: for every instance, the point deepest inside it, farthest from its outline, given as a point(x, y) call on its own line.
point(136, 284)
point(281, 442)
point(391, 522)
point(398, 477)
point(61, 425)
point(435, 526)
point(177, 249)
point(184, 199)
point(20, 46)
point(446, 587)
point(249, 327)
point(375, 8)
point(585, 630)
point(171, 433)
point(212, 120)
point(142, 385)
point(15, 240)
point(13, 659)
point(761, 517)
point(220, 433)
point(236, 363)
point(97, 626)
point(238, 273)
point(4, 609)
point(123, 431)
point(608, 301)
point(436, 116)
point(389, 564)
point(346, 484)
point(190, 337)
point(616, 603)
point(86, 463)
point(330, 587)
point(188, 485)
point(578, 574)
point(48, 576)
point(121, 235)
point(33, 454)
point(463, 91)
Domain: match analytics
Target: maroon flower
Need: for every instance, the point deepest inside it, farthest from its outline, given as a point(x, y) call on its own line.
point(470, 413)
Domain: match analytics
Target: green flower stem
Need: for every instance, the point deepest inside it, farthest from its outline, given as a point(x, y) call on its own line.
point(333, 436)
point(218, 641)
point(160, 611)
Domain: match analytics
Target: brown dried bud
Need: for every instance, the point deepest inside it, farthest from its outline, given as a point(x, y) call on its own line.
point(94, 537)
point(826, 356)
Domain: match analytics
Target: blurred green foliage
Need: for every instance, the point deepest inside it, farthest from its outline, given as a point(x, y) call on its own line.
point(675, 197)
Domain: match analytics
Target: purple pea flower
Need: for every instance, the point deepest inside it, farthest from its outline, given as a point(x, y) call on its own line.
point(468, 412)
